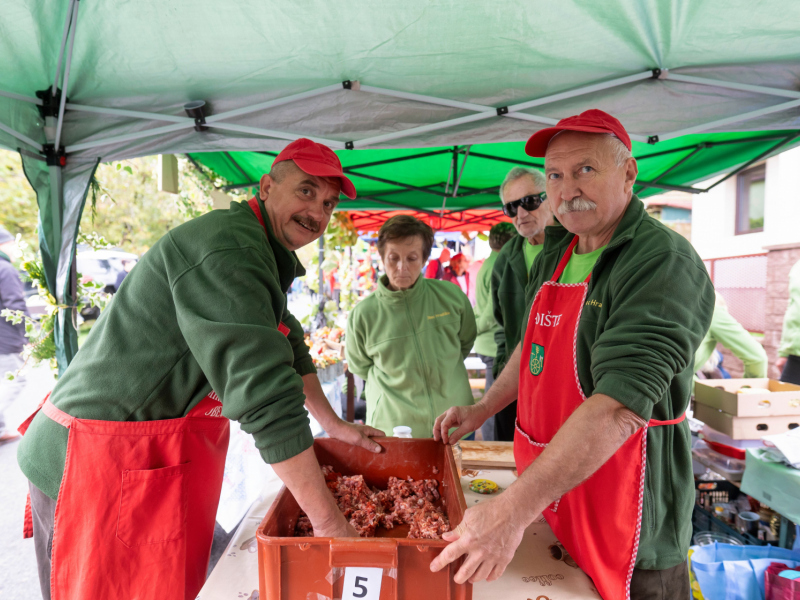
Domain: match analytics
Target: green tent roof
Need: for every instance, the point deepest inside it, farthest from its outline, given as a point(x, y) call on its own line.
point(416, 180)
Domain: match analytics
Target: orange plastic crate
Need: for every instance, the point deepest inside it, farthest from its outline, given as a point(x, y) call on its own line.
point(292, 568)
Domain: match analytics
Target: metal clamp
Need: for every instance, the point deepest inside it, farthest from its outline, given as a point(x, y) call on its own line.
point(503, 110)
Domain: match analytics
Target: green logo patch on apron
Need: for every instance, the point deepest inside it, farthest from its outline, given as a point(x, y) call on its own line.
point(537, 359)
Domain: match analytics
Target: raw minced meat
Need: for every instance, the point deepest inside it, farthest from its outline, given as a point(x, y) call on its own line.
point(404, 502)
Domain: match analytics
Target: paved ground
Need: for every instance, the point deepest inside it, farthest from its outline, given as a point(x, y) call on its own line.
point(18, 578)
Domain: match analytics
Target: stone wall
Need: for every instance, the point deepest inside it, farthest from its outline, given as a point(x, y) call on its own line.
point(779, 261)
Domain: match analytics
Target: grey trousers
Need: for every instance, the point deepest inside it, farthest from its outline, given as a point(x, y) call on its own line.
point(44, 515)
point(9, 390)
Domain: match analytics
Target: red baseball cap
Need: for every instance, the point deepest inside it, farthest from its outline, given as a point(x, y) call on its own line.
point(590, 121)
point(317, 159)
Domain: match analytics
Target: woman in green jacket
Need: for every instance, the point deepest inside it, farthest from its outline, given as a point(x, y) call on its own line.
point(409, 339)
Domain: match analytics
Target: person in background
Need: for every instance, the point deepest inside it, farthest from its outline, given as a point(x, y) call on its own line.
point(728, 331)
point(12, 337)
point(485, 346)
point(409, 339)
point(127, 265)
point(456, 272)
point(435, 269)
point(524, 202)
point(788, 362)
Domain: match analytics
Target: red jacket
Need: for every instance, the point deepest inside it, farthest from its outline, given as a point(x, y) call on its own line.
point(450, 275)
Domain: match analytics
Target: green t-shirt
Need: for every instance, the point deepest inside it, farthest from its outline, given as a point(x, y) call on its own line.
point(579, 266)
point(531, 252)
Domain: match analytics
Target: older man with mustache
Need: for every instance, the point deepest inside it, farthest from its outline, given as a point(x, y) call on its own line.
point(619, 304)
point(125, 459)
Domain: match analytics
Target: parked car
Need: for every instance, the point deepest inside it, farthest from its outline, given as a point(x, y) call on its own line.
point(107, 267)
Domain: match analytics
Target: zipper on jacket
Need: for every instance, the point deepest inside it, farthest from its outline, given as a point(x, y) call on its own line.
point(421, 361)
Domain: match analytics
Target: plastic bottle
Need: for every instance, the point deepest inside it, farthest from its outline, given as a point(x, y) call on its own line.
point(402, 431)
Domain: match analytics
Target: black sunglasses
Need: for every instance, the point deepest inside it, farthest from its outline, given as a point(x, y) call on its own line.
point(529, 203)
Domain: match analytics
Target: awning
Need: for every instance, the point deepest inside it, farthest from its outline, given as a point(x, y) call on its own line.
point(85, 82)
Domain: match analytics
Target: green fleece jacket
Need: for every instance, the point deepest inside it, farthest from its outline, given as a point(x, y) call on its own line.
point(200, 311)
point(509, 280)
point(410, 347)
point(648, 306)
point(484, 309)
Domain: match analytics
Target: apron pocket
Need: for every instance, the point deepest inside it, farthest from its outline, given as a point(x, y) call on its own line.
point(152, 506)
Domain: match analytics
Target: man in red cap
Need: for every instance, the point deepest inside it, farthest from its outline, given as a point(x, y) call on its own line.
point(618, 305)
point(126, 458)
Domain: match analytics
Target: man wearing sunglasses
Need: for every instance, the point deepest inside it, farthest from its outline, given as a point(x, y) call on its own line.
point(525, 203)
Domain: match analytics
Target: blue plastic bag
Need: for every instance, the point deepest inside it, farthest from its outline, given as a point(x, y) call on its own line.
point(728, 572)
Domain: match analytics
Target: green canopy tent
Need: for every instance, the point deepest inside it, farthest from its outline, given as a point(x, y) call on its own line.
point(456, 189)
point(86, 81)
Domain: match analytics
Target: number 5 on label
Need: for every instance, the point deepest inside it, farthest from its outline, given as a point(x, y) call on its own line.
point(362, 583)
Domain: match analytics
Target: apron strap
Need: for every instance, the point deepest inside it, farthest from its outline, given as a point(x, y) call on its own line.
point(59, 416)
point(655, 423)
point(564, 259)
point(23, 428)
point(253, 203)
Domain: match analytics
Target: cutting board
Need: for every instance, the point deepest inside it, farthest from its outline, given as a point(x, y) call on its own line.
point(487, 455)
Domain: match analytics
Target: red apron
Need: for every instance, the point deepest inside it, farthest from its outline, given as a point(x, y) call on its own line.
point(599, 521)
point(137, 504)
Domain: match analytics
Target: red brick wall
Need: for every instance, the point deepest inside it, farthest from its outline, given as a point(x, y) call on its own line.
point(779, 262)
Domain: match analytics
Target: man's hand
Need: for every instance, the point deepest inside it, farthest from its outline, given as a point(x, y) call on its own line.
point(356, 435)
point(489, 536)
point(341, 528)
point(465, 418)
point(780, 364)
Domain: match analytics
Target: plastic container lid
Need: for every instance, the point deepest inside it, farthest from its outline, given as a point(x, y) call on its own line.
point(402, 431)
point(705, 538)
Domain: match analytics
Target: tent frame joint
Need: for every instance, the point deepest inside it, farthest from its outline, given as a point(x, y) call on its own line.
point(503, 110)
point(653, 139)
point(53, 157)
point(349, 145)
point(50, 102)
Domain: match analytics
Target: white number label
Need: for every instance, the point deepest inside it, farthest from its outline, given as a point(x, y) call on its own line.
point(362, 583)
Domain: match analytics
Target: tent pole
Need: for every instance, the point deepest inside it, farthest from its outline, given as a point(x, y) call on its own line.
point(390, 182)
point(274, 134)
point(728, 120)
point(398, 206)
point(744, 87)
point(399, 159)
point(235, 164)
point(461, 172)
point(513, 161)
point(654, 183)
point(63, 101)
point(186, 123)
point(581, 91)
point(761, 156)
point(21, 137)
point(67, 22)
point(424, 129)
point(36, 101)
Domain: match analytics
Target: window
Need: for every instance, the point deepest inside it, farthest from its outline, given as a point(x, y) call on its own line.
point(750, 200)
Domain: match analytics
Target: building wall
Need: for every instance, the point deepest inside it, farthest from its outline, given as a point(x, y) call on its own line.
point(779, 261)
point(714, 213)
point(713, 235)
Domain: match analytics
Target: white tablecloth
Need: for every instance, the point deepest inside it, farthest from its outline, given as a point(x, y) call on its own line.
point(533, 574)
point(245, 470)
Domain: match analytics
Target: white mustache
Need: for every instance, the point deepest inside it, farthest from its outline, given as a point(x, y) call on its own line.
point(575, 205)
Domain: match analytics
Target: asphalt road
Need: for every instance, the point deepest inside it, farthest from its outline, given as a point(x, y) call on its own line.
point(18, 577)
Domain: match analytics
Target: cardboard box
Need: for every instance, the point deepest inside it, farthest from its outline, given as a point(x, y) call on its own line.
point(776, 400)
point(744, 428)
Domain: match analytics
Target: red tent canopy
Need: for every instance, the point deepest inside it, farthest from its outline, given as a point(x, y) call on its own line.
point(467, 220)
